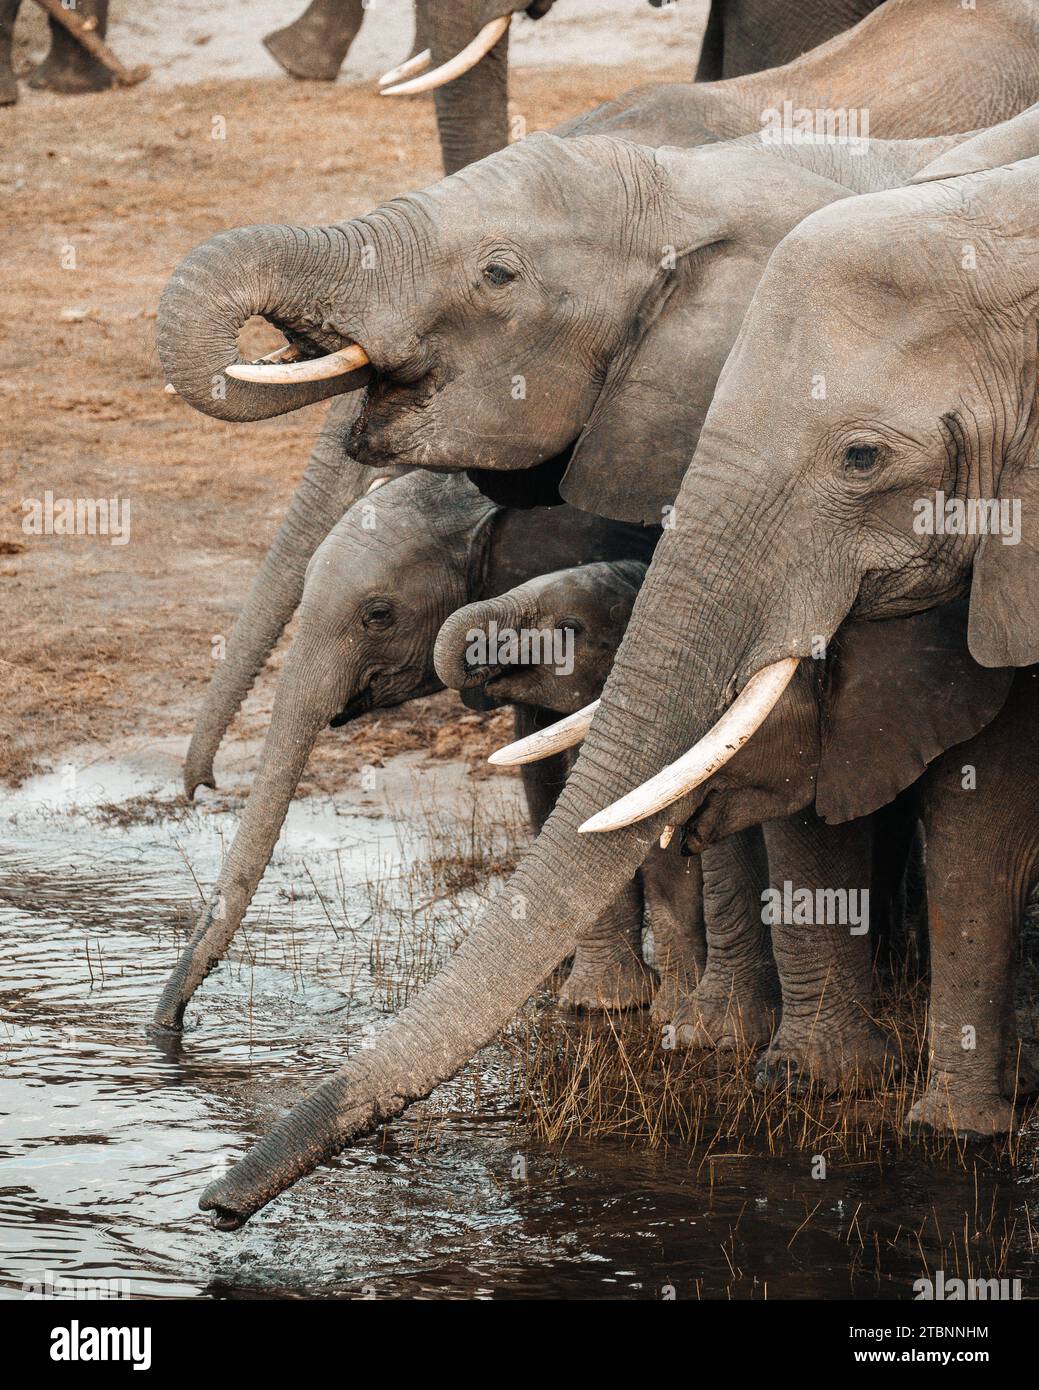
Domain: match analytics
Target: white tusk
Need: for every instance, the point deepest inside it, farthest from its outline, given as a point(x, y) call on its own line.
point(413, 65)
point(456, 66)
point(666, 836)
point(545, 742)
point(170, 389)
point(283, 373)
point(744, 716)
point(378, 482)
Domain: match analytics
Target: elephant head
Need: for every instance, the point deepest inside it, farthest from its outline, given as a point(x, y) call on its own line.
point(547, 643)
point(377, 591)
point(578, 320)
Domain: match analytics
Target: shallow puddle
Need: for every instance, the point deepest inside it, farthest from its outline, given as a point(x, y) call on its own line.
point(107, 1138)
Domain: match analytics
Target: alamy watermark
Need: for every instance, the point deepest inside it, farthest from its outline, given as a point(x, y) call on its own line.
point(806, 125)
point(831, 907)
point(77, 516)
point(968, 516)
point(525, 646)
point(945, 1290)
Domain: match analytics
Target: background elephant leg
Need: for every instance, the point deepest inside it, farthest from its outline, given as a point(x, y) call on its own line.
point(8, 86)
point(68, 67)
point(981, 861)
point(607, 971)
point(314, 46)
point(737, 998)
point(826, 1034)
point(672, 885)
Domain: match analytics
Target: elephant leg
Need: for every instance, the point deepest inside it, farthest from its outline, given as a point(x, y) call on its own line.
point(314, 46)
point(826, 1035)
point(68, 67)
point(981, 861)
point(737, 998)
point(8, 85)
point(672, 884)
point(545, 779)
point(607, 971)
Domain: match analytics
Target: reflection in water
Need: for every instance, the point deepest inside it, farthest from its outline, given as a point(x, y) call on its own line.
point(107, 1137)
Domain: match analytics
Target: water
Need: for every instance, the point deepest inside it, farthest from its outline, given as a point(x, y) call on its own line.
point(107, 1137)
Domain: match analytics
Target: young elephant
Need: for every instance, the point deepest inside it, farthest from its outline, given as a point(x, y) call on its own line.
point(378, 590)
point(481, 653)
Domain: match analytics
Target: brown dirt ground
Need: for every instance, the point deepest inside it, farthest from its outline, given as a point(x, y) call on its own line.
point(101, 643)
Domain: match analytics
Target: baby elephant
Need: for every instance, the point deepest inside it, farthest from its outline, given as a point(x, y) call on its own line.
point(549, 644)
point(377, 591)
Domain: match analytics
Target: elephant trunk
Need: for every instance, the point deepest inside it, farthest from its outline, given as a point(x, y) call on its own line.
point(468, 646)
point(697, 633)
point(312, 690)
point(284, 274)
point(331, 483)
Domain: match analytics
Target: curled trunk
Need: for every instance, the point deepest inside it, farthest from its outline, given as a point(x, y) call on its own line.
point(283, 274)
point(515, 611)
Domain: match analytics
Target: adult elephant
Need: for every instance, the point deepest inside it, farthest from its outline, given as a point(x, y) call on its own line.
point(907, 44)
point(747, 35)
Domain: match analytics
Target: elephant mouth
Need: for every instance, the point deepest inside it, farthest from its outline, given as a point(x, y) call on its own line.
point(353, 709)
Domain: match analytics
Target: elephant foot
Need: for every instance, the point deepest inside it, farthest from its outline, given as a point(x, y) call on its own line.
point(669, 997)
point(314, 46)
point(833, 1058)
point(942, 1111)
point(618, 984)
point(725, 1022)
point(70, 71)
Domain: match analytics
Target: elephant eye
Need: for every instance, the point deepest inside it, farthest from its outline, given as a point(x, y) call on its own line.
point(377, 617)
point(860, 459)
point(498, 274)
point(573, 625)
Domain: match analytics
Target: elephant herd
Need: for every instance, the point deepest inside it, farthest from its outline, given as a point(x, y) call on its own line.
point(748, 427)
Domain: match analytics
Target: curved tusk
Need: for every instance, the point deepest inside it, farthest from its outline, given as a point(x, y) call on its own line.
point(554, 739)
point(380, 481)
point(283, 373)
point(744, 717)
point(456, 66)
point(409, 68)
point(170, 389)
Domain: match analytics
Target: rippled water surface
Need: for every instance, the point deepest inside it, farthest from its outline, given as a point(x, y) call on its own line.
point(107, 1138)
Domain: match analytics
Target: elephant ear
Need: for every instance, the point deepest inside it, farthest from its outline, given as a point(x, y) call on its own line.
point(897, 694)
point(630, 458)
point(1004, 596)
